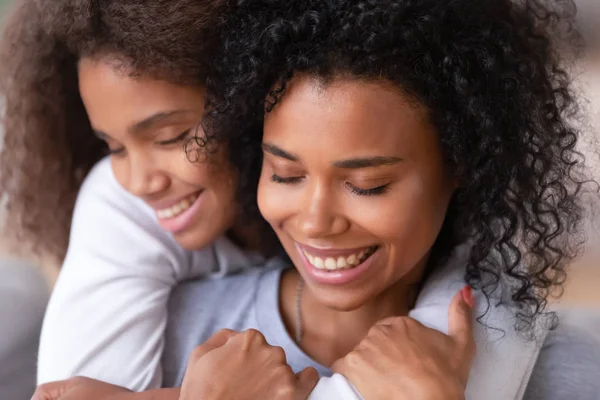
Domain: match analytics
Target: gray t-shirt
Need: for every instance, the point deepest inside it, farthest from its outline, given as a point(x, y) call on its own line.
point(199, 309)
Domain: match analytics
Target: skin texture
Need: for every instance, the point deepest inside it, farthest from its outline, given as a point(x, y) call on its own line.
point(255, 370)
point(435, 366)
point(431, 365)
point(147, 154)
point(312, 201)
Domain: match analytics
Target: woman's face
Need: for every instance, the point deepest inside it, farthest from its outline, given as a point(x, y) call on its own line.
point(354, 184)
point(146, 123)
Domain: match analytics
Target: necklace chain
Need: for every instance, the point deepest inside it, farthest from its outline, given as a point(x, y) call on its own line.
point(299, 329)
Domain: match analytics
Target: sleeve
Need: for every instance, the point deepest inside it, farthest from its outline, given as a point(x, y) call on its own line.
point(107, 315)
point(336, 387)
point(568, 366)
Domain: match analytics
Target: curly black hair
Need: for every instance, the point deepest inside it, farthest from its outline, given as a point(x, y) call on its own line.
point(493, 86)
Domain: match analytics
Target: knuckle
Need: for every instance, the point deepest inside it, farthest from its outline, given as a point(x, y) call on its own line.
point(254, 336)
point(278, 354)
point(196, 354)
point(224, 331)
point(381, 332)
point(250, 339)
point(45, 388)
point(286, 387)
point(354, 359)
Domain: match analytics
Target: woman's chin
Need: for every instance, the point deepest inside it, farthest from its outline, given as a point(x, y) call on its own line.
point(340, 302)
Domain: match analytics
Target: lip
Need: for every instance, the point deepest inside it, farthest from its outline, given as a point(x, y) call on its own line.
point(183, 220)
point(340, 277)
point(315, 251)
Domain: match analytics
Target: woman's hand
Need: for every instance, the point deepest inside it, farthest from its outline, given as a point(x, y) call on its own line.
point(402, 359)
point(79, 388)
point(239, 366)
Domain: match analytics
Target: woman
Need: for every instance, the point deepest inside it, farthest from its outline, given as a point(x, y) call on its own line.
point(370, 179)
point(83, 80)
point(392, 134)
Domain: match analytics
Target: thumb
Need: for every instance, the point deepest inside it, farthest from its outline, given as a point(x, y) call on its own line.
point(214, 342)
point(306, 380)
point(460, 319)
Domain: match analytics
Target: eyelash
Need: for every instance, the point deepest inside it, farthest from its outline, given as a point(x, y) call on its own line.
point(175, 139)
point(368, 192)
point(356, 191)
point(286, 181)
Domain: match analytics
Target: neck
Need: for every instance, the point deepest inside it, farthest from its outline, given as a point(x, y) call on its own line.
point(328, 334)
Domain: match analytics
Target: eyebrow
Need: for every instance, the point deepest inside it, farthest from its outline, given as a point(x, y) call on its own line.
point(366, 162)
point(153, 120)
point(144, 124)
point(353, 163)
point(278, 152)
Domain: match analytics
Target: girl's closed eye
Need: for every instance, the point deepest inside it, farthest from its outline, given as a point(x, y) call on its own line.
point(179, 138)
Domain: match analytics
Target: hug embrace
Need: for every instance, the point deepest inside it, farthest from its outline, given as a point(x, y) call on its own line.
point(298, 199)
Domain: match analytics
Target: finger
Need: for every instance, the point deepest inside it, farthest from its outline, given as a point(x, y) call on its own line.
point(51, 391)
point(460, 319)
point(217, 340)
point(306, 380)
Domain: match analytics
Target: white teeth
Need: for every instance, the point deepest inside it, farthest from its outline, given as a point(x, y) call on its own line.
point(332, 264)
point(176, 209)
point(318, 262)
point(351, 260)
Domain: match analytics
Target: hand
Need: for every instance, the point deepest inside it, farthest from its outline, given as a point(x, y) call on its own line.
point(77, 388)
point(80, 388)
point(239, 366)
point(402, 359)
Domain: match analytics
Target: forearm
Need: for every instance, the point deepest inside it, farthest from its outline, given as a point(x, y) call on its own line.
point(157, 394)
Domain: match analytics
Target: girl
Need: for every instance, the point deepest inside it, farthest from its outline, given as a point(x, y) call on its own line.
point(116, 84)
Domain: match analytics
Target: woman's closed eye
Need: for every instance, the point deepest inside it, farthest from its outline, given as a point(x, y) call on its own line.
point(373, 191)
point(358, 191)
point(286, 180)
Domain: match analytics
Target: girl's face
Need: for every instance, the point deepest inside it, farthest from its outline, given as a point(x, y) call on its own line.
point(146, 123)
point(354, 184)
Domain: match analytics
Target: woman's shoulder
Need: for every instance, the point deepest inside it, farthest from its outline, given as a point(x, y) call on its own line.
point(568, 366)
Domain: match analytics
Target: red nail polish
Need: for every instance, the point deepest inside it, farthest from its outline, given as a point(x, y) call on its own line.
point(467, 295)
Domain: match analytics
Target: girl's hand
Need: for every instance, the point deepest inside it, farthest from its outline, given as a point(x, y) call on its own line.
point(79, 388)
point(239, 366)
point(402, 359)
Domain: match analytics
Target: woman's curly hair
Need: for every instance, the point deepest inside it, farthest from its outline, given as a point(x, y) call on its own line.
point(487, 74)
point(48, 144)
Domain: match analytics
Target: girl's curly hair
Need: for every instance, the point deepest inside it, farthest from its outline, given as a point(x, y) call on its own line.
point(48, 144)
point(487, 73)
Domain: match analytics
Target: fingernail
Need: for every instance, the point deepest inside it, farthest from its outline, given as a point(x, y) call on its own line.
point(467, 295)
